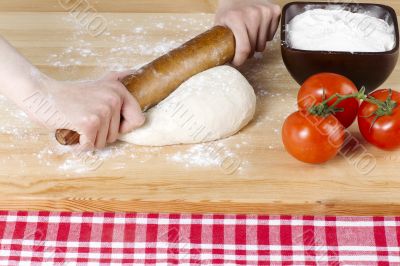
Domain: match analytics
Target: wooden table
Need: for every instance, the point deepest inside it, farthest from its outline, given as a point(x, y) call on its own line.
point(36, 174)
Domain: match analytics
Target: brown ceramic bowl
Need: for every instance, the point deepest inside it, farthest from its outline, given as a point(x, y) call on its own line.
point(365, 69)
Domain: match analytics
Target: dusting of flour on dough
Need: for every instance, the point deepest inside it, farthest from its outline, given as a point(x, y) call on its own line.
point(82, 51)
point(211, 105)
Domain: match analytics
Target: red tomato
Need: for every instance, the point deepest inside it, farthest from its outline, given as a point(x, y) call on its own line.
point(385, 131)
point(312, 139)
point(312, 92)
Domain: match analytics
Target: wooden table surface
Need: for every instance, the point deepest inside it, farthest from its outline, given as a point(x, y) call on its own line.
point(37, 174)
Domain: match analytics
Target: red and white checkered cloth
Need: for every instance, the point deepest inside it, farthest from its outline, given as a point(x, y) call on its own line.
point(47, 238)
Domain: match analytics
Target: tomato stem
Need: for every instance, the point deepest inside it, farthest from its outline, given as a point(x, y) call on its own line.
point(323, 109)
point(385, 108)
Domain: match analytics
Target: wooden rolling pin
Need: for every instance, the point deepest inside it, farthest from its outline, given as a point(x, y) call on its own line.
point(155, 81)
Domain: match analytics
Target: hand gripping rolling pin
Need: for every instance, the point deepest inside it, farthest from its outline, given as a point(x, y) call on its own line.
point(155, 81)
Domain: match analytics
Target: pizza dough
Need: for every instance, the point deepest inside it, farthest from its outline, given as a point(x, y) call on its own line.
point(212, 105)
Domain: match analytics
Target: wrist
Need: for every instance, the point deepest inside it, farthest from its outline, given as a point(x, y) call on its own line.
point(34, 84)
point(37, 99)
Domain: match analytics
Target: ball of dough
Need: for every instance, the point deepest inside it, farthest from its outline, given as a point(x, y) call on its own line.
point(212, 105)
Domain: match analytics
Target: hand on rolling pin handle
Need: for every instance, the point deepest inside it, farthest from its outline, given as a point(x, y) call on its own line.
point(253, 22)
point(95, 108)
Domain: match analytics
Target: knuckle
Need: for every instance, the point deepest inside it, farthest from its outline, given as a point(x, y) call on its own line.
point(253, 11)
point(244, 50)
point(276, 9)
point(266, 11)
point(105, 111)
point(91, 122)
point(233, 14)
point(114, 101)
point(119, 87)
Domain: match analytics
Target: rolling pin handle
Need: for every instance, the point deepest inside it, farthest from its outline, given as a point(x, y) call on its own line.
point(158, 79)
point(67, 137)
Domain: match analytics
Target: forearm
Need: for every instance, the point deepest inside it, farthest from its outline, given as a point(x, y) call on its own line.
point(239, 3)
point(19, 79)
point(93, 108)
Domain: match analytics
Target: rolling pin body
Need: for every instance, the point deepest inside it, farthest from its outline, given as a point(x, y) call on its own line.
point(155, 81)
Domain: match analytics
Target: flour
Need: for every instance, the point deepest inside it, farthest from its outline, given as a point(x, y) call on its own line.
point(340, 30)
point(201, 155)
point(211, 105)
point(81, 50)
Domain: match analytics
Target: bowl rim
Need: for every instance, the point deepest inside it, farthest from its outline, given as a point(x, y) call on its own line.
point(390, 10)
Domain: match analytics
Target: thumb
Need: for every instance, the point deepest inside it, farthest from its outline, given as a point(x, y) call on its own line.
point(132, 114)
point(118, 75)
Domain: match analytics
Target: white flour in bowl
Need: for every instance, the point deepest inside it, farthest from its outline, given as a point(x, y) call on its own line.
point(340, 30)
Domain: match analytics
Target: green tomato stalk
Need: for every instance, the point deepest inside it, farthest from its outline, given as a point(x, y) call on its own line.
point(385, 108)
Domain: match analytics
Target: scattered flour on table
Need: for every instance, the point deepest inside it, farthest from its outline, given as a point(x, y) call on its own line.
point(140, 40)
point(279, 96)
point(127, 46)
point(70, 162)
point(17, 123)
point(207, 154)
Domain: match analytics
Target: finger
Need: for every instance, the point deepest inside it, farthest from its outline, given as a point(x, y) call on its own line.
point(243, 47)
point(115, 100)
point(132, 114)
point(118, 75)
point(264, 30)
point(113, 131)
point(253, 26)
point(123, 74)
point(276, 11)
point(85, 144)
point(101, 138)
point(88, 129)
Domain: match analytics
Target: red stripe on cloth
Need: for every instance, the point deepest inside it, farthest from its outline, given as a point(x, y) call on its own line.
point(48, 238)
point(240, 239)
point(218, 236)
point(19, 233)
point(195, 231)
point(40, 235)
point(309, 240)
point(263, 236)
point(397, 219)
point(218, 239)
point(286, 240)
point(174, 237)
point(332, 241)
point(380, 240)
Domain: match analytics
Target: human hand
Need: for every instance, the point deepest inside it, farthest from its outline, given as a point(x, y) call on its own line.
point(253, 22)
point(92, 108)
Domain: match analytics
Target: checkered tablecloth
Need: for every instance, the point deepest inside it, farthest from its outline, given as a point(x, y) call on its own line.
point(47, 238)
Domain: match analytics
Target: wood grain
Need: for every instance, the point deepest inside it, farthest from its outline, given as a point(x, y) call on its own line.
point(119, 6)
point(35, 177)
point(135, 6)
